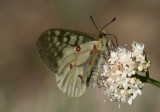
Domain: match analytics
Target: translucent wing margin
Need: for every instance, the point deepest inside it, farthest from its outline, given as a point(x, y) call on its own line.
point(71, 56)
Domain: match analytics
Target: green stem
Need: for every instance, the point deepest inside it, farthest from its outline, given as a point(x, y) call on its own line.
point(147, 79)
point(154, 82)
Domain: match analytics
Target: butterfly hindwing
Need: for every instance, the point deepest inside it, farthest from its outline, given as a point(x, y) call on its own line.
point(71, 56)
point(75, 68)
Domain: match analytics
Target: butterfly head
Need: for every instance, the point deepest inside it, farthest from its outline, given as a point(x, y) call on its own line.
point(102, 34)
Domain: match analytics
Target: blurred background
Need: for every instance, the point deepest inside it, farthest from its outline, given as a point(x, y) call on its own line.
point(27, 85)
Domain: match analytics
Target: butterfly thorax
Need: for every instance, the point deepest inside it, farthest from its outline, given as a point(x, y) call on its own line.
point(104, 47)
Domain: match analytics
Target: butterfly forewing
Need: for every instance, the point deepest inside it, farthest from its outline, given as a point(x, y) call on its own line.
point(71, 56)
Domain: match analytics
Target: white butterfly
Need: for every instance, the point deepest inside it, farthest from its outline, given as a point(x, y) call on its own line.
point(72, 56)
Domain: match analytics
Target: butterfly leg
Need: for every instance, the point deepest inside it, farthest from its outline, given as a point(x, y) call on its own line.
point(115, 39)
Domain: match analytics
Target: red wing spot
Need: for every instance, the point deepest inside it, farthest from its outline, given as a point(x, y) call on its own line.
point(71, 66)
point(91, 61)
point(80, 76)
point(92, 52)
point(78, 49)
point(94, 46)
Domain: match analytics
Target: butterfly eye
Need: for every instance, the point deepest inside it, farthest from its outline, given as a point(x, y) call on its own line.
point(102, 35)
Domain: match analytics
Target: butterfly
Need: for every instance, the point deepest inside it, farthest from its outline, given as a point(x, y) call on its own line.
point(73, 56)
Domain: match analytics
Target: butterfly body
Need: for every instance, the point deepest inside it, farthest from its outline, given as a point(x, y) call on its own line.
point(72, 55)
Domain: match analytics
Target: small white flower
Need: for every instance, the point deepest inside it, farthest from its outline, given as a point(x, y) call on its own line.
point(141, 58)
point(132, 80)
point(113, 58)
point(143, 66)
point(137, 48)
point(117, 80)
point(130, 101)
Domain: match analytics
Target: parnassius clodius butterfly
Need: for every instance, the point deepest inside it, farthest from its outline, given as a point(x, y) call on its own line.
point(72, 56)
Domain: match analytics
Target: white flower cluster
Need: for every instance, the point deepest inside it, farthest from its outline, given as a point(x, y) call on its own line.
point(117, 79)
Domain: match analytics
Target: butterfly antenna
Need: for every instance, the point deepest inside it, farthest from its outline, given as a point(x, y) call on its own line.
point(94, 23)
point(109, 23)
